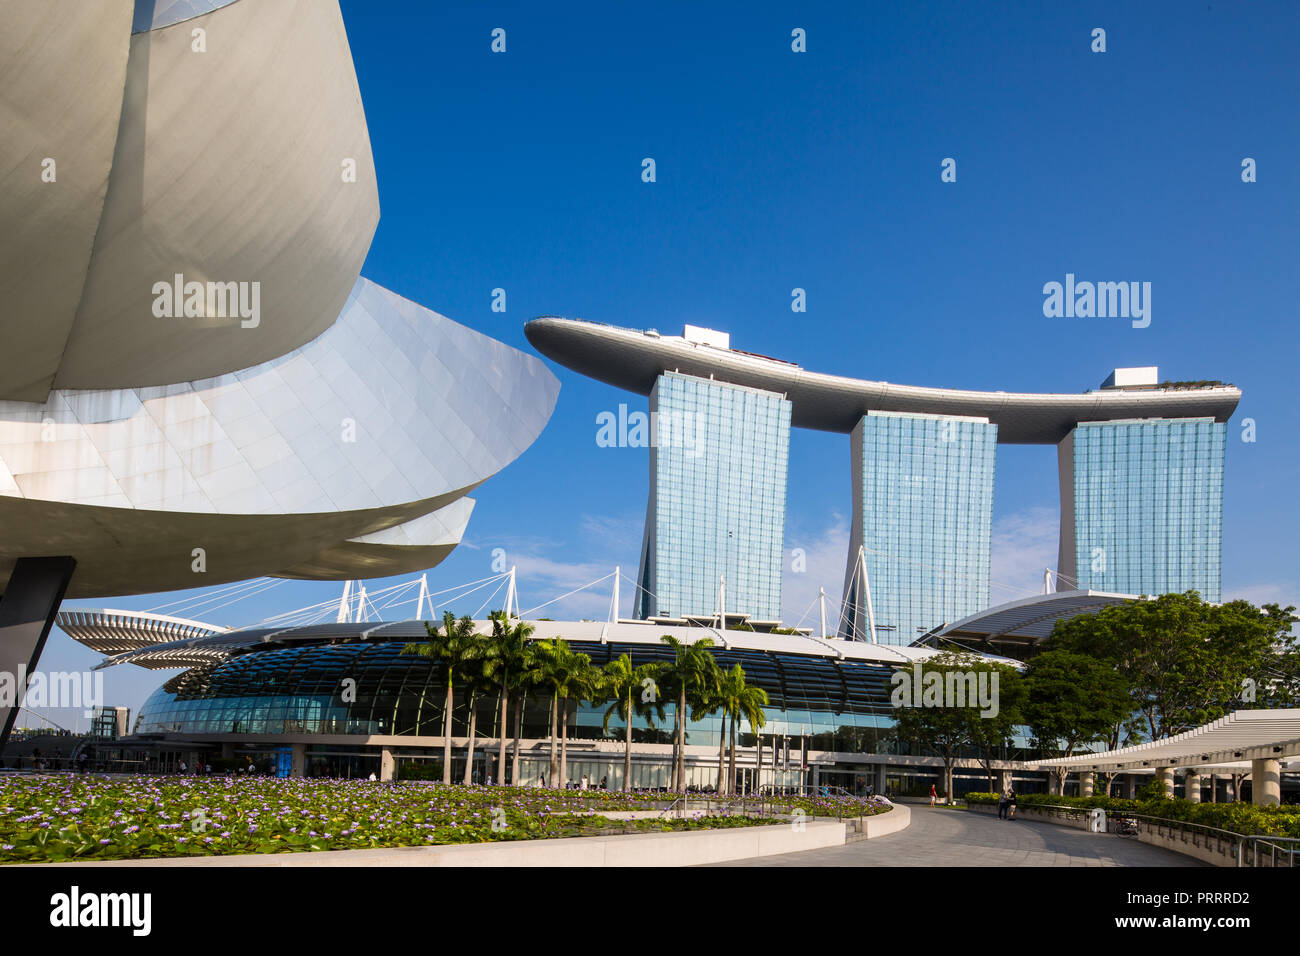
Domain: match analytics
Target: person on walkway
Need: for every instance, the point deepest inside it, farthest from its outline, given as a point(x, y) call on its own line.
point(1011, 804)
point(934, 794)
point(1003, 803)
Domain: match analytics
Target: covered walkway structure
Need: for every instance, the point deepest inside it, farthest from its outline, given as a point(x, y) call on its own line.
point(1261, 738)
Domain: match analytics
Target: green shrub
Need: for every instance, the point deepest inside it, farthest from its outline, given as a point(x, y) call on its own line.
point(1236, 817)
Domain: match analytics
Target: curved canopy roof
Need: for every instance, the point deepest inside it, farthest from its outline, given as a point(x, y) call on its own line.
point(1242, 735)
point(115, 632)
point(633, 359)
point(216, 647)
point(1027, 620)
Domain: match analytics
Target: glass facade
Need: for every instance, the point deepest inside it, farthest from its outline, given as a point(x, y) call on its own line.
point(1142, 506)
point(718, 461)
point(923, 514)
point(837, 705)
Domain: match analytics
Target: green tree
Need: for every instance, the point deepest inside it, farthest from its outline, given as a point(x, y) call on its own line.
point(476, 681)
point(507, 666)
point(549, 666)
point(634, 692)
point(455, 648)
point(1186, 662)
point(691, 676)
point(991, 731)
point(941, 713)
point(1073, 700)
point(586, 682)
point(742, 700)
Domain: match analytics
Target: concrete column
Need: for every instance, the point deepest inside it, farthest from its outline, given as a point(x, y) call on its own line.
point(227, 751)
point(1165, 775)
point(878, 779)
point(1130, 786)
point(1004, 781)
point(1266, 782)
point(31, 601)
point(1087, 781)
point(387, 765)
point(298, 752)
point(1214, 788)
point(1192, 786)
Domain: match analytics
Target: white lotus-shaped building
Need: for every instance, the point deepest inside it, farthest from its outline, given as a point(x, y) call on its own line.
point(196, 384)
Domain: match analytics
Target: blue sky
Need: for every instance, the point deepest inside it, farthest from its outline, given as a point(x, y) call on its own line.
point(821, 171)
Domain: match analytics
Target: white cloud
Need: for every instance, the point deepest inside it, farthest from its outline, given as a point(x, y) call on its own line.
point(1024, 543)
point(824, 555)
point(1283, 594)
point(543, 573)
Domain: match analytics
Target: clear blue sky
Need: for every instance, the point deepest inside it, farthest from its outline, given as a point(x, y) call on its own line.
point(821, 170)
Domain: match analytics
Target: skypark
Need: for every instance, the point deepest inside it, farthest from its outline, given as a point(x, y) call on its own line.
point(633, 360)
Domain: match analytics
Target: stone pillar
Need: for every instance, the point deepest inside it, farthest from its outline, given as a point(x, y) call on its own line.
point(1165, 775)
point(1192, 786)
point(298, 760)
point(387, 765)
point(1266, 782)
point(878, 779)
point(1214, 788)
point(1130, 786)
point(1051, 783)
point(1087, 782)
point(1004, 781)
point(227, 751)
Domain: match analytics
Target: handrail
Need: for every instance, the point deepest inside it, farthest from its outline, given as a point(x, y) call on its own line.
point(724, 805)
point(1240, 839)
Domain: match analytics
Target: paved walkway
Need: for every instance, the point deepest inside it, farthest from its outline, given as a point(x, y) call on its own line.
point(939, 837)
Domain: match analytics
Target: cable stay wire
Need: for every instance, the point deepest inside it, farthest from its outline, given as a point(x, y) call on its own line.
point(523, 614)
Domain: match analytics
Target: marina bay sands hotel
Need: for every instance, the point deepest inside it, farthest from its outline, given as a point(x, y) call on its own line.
point(1140, 463)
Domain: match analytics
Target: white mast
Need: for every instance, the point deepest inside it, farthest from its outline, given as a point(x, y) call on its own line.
point(823, 604)
point(613, 607)
point(866, 589)
point(512, 596)
point(344, 606)
point(422, 597)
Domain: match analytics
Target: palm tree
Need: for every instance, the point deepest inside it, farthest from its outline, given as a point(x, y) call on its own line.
point(507, 664)
point(552, 667)
point(708, 704)
point(692, 675)
point(476, 681)
point(455, 647)
point(632, 696)
point(585, 682)
point(743, 700)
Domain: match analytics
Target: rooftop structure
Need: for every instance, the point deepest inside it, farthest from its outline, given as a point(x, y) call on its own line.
point(632, 359)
